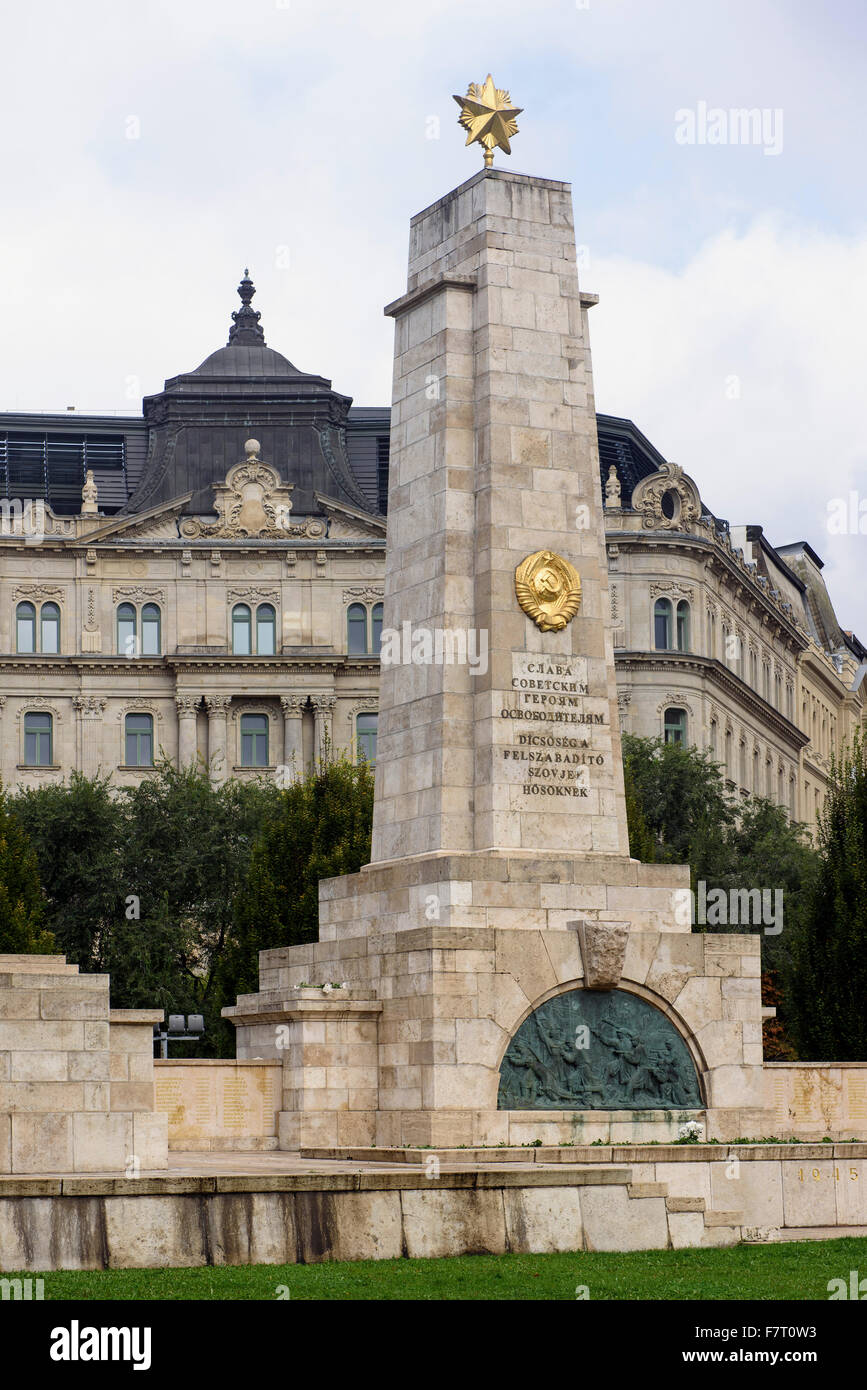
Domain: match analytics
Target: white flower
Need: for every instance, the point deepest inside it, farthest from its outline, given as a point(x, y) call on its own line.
point(326, 989)
point(344, 985)
point(691, 1130)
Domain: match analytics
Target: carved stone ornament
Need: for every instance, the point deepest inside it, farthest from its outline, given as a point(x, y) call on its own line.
point(584, 1050)
point(548, 589)
point(603, 951)
point(252, 502)
point(671, 481)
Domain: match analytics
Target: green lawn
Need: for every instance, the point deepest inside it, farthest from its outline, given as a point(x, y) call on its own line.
point(800, 1270)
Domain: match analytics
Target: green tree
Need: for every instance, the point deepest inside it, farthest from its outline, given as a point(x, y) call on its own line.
point(77, 831)
point(322, 829)
point(827, 979)
point(680, 797)
point(22, 906)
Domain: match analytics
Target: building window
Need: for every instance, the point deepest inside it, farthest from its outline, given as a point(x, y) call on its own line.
point(376, 622)
point(356, 629)
point(683, 626)
point(662, 624)
point(139, 740)
point(743, 756)
point(757, 791)
point(241, 630)
point(37, 740)
point(266, 630)
point(25, 622)
point(49, 628)
point(126, 630)
point(728, 759)
point(365, 736)
point(754, 670)
point(674, 726)
point(714, 737)
point(254, 740)
point(151, 637)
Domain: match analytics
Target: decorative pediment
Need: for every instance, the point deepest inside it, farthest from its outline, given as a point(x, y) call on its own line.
point(350, 523)
point(159, 523)
point(668, 500)
point(252, 502)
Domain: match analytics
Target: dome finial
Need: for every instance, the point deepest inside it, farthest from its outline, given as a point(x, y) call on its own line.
point(245, 330)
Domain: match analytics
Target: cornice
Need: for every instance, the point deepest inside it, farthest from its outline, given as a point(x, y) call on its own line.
point(708, 668)
point(686, 541)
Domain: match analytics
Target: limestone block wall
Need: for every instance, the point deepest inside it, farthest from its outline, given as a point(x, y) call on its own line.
point(76, 1077)
point(327, 1043)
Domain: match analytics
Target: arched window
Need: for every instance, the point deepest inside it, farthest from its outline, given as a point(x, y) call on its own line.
point(757, 791)
point(714, 737)
point(49, 628)
point(25, 624)
point(356, 629)
point(37, 740)
point(662, 624)
point(139, 740)
point(266, 630)
point(754, 670)
point(683, 626)
point(376, 622)
point(365, 736)
point(674, 726)
point(151, 637)
point(241, 626)
point(254, 740)
point(743, 757)
point(126, 630)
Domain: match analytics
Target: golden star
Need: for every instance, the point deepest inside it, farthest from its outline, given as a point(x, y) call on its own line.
point(489, 116)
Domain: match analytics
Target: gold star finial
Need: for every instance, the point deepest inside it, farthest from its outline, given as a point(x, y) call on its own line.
point(489, 116)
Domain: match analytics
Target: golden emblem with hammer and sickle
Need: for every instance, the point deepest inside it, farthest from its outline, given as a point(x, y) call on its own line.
point(548, 589)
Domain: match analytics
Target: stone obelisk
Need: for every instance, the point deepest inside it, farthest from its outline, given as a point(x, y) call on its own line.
point(514, 746)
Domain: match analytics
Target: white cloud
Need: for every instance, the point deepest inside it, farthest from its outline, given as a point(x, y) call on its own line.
point(780, 310)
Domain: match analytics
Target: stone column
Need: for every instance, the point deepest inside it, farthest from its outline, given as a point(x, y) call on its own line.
point(89, 709)
point(323, 740)
point(293, 748)
point(186, 706)
point(218, 708)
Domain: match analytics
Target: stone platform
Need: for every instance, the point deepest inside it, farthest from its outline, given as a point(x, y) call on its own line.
point(280, 1208)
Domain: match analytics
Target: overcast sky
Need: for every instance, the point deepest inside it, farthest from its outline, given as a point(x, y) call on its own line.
point(151, 150)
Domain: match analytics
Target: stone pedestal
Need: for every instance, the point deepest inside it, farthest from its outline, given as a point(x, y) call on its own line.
point(328, 1044)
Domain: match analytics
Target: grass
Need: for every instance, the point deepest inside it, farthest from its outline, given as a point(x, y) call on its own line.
point(798, 1270)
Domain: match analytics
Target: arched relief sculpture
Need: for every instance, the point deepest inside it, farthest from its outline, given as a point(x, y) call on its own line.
point(584, 1050)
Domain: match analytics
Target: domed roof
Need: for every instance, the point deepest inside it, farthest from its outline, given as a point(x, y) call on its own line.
point(246, 360)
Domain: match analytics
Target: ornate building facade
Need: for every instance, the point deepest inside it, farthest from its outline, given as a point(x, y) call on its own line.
point(200, 591)
point(205, 580)
point(723, 641)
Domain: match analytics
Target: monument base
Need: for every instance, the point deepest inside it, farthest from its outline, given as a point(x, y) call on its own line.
point(413, 1052)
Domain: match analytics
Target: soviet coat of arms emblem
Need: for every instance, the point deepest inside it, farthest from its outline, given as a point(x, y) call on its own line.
point(548, 589)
